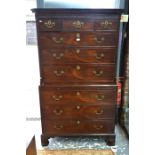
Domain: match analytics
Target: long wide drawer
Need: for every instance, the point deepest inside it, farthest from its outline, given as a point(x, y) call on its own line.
point(77, 111)
point(78, 73)
point(77, 126)
point(77, 39)
point(78, 95)
point(104, 55)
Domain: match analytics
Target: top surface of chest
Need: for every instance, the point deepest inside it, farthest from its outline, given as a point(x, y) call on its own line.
point(72, 13)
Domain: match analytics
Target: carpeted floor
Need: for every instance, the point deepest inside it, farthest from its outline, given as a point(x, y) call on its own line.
point(75, 152)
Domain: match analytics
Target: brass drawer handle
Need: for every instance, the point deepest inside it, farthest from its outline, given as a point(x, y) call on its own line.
point(58, 41)
point(98, 73)
point(57, 98)
point(58, 57)
point(101, 40)
point(99, 112)
point(58, 127)
point(105, 23)
point(99, 56)
point(49, 24)
point(58, 112)
point(99, 97)
point(77, 24)
point(98, 127)
point(59, 73)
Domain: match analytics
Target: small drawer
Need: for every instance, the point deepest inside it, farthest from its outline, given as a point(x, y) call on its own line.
point(106, 24)
point(58, 39)
point(66, 127)
point(76, 111)
point(78, 55)
point(49, 25)
point(78, 73)
point(78, 25)
point(105, 95)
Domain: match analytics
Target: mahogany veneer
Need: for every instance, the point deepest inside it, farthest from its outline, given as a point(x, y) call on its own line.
point(77, 56)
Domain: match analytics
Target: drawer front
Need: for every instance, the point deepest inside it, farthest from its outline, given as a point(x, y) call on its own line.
point(49, 24)
point(77, 126)
point(76, 111)
point(79, 95)
point(78, 55)
point(77, 39)
point(78, 73)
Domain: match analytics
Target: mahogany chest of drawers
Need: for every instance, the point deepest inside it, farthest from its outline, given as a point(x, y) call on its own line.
point(77, 56)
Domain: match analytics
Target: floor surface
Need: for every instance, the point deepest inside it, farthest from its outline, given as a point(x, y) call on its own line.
point(58, 143)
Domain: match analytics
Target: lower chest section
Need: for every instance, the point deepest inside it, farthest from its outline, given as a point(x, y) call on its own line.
point(86, 109)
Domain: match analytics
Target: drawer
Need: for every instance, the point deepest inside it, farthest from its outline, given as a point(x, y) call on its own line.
point(77, 55)
point(85, 95)
point(59, 39)
point(77, 126)
point(78, 73)
point(78, 25)
point(107, 24)
point(49, 24)
point(76, 111)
